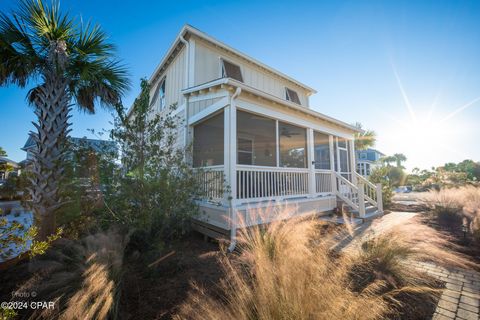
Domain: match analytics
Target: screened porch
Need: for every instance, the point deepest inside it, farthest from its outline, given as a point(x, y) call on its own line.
point(272, 159)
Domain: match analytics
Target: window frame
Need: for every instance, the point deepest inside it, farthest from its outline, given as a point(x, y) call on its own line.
point(288, 96)
point(223, 72)
point(159, 101)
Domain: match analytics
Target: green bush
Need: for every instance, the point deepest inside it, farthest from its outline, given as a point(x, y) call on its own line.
point(154, 189)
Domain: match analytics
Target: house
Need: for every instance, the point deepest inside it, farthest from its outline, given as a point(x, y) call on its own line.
point(95, 145)
point(367, 160)
point(257, 144)
point(8, 167)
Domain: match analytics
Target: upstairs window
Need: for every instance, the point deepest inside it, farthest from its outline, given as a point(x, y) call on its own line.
point(159, 96)
point(292, 96)
point(230, 70)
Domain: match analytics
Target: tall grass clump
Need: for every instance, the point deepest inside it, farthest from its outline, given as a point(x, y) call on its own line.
point(457, 207)
point(288, 270)
point(81, 277)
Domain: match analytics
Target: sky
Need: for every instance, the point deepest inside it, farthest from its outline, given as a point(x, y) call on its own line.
point(409, 70)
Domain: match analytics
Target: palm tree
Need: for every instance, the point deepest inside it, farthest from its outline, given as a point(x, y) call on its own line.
point(3, 153)
point(68, 62)
point(387, 160)
point(399, 158)
point(364, 139)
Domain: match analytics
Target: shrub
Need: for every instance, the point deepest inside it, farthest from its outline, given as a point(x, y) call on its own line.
point(457, 207)
point(287, 270)
point(81, 277)
point(155, 189)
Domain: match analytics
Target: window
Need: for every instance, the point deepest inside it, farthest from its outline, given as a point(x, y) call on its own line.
point(159, 96)
point(292, 95)
point(322, 150)
point(230, 70)
point(208, 142)
point(256, 140)
point(293, 145)
point(363, 155)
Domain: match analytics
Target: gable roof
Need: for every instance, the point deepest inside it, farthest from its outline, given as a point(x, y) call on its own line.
point(188, 29)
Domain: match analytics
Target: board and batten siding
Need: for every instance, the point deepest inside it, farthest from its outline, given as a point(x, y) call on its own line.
point(197, 106)
point(208, 68)
point(175, 76)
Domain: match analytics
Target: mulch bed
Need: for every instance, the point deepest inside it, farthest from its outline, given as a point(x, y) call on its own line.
point(157, 292)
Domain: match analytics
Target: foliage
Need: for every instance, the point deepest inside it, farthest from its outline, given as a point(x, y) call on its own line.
point(389, 177)
point(15, 238)
point(3, 153)
point(69, 62)
point(456, 208)
point(87, 172)
point(365, 139)
point(448, 176)
point(81, 276)
point(9, 190)
point(154, 190)
point(287, 270)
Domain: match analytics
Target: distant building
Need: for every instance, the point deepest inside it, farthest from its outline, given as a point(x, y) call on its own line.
point(367, 160)
point(96, 145)
point(4, 163)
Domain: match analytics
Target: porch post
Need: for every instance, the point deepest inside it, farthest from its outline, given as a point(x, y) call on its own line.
point(311, 163)
point(332, 163)
point(233, 150)
point(353, 168)
point(226, 151)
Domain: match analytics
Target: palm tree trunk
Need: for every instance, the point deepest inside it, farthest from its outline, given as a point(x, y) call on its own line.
point(52, 110)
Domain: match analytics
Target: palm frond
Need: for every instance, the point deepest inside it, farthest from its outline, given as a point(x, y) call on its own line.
point(92, 43)
point(20, 59)
point(101, 80)
point(47, 23)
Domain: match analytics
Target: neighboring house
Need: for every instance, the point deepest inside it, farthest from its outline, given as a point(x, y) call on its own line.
point(254, 133)
point(8, 167)
point(95, 145)
point(367, 160)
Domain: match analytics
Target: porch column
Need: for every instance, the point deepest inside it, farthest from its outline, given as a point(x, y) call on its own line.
point(226, 152)
point(311, 163)
point(351, 145)
point(230, 150)
point(332, 163)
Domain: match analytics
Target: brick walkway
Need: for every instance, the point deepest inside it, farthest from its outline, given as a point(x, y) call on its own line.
point(461, 298)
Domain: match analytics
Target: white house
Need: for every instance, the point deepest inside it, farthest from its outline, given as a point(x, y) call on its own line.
point(255, 136)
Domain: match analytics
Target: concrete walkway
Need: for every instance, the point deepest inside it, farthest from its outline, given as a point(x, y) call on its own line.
point(461, 298)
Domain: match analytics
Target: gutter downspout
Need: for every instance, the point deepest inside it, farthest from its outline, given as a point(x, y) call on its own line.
point(233, 213)
point(187, 84)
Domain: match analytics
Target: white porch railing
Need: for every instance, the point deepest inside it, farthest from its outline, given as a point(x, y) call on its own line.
point(270, 182)
point(369, 189)
point(347, 191)
point(266, 183)
point(323, 181)
point(212, 182)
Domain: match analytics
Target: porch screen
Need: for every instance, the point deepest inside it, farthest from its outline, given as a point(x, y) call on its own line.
point(293, 146)
point(322, 150)
point(208, 142)
point(255, 140)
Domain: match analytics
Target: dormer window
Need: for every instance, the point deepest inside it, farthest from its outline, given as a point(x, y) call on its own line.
point(159, 96)
point(231, 70)
point(292, 95)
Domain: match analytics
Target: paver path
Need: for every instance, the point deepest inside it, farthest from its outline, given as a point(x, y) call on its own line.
point(461, 297)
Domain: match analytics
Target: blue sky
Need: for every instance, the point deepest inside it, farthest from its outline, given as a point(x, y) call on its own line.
point(401, 68)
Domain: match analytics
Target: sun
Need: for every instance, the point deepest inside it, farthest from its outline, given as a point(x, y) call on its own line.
point(423, 137)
